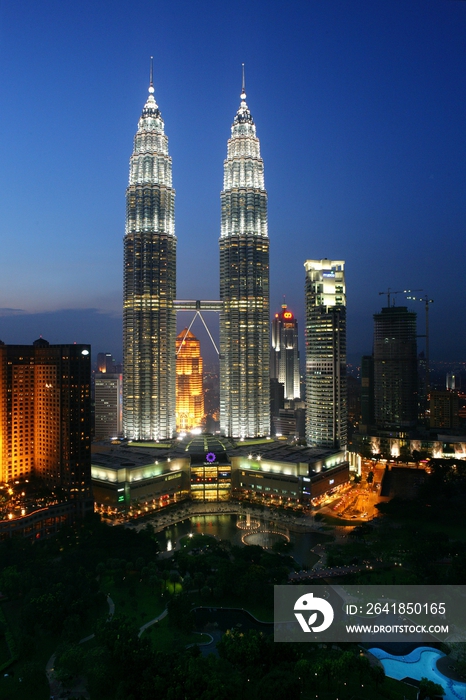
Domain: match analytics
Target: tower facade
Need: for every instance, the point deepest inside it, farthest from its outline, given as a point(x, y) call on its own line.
point(284, 356)
point(326, 399)
point(149, 317)
point(108, 388)
point(45, 417)
point(244, 285)
point(189, 385)
point(395, 368)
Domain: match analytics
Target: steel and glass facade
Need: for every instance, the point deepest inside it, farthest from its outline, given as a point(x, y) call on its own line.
point(149, 317)
point(326, 400)
point(244, 285)
point(284, 356)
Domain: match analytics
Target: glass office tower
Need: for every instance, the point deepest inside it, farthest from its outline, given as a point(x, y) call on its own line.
point(326, 400)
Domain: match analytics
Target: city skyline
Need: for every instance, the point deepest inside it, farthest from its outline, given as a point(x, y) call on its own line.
point(361, 120)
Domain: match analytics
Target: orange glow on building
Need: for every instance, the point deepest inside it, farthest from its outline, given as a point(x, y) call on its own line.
point(45, 416)
point(189, 390)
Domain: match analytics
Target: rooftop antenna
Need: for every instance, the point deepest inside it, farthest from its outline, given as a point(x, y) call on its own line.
point(243, 87)
point(151, 83)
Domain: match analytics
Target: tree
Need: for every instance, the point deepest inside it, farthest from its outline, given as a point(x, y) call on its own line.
point(71, 628)
point(198, 581)
point(378, 675)
point(174, 578)
point(188, 583)
point(243, 649)
point(70, 663)
point(179, 612)
point(429, 689)
point(280, 685)
point(165, 576)
point(10, 581)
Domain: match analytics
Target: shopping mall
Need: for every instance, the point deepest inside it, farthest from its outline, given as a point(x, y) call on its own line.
point(138, 477)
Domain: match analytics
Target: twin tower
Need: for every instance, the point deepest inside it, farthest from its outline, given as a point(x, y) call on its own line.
point(149, 295)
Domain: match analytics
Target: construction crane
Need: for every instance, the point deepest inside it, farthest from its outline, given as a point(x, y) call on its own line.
point(389, 293)
point(425, 299)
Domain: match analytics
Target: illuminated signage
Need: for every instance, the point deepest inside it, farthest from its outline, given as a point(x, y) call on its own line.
point(328, 274)
point(210, 457)
point(173, 476)
point(331, 481)
point(287, 314)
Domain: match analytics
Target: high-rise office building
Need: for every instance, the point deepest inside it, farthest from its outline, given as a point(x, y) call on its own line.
point(244, 285)
point(367, 391)
point(444, 409)
point(45, 417)
point(452, 381)
point(108, 402)
point(105, 362)
point(395, 368)
point(284, 356)
point(149, 317)
point(326, 400)
point(189, 388)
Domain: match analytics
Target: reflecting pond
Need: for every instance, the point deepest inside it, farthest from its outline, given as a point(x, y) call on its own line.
point(224, 527)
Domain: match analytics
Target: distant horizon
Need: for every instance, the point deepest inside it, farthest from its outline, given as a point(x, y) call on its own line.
point(77, 325)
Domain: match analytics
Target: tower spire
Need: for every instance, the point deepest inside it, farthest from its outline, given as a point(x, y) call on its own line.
point(151, 83)
point(243, 85)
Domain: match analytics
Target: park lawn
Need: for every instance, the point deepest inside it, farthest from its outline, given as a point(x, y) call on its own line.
point(165, 637)
point(136, 599)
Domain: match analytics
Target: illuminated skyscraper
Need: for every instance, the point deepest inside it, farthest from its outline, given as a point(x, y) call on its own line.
point(244, 285)
point(284, 357)
point(108, 388)
point(189, 390)
point(326, 400)
point(149, 317)
point(45, 417)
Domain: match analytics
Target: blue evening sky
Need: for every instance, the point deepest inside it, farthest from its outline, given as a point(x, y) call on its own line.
point(360, 108)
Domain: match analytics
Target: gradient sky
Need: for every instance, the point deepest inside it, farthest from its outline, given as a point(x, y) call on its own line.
point(360, 108)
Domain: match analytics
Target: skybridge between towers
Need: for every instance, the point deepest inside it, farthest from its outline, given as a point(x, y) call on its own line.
point(198, 305)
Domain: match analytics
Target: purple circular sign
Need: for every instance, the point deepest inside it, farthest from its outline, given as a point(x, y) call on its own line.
point(210, 457)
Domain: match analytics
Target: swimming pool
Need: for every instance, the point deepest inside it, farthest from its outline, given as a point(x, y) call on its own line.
point(420, 663)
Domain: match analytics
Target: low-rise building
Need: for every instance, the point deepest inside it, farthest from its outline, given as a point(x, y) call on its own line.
point(206, 468)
